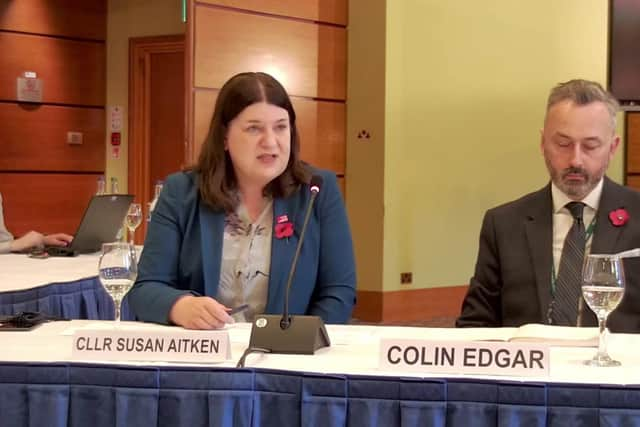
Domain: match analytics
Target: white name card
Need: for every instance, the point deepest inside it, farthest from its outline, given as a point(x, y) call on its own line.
point(464, 357)
point(128, 345)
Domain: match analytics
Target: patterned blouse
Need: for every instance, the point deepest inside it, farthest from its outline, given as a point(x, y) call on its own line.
point(246, 259)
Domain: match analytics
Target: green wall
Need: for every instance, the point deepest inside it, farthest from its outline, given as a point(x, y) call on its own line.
point(464, 97)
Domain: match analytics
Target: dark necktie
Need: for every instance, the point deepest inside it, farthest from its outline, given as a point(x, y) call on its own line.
point(569, 280)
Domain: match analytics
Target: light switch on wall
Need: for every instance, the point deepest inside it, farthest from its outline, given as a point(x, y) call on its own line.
point(74, 138)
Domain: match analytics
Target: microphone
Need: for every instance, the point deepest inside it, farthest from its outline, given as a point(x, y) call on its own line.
point(314, 188)
point(290, 334)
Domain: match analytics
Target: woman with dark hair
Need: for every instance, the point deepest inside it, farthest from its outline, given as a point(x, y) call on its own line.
point(224, 234)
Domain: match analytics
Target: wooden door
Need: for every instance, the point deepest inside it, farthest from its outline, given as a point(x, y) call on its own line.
point(156, 115)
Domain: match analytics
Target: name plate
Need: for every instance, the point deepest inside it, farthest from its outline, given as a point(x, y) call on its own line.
point(129, 345)
point(464, 357)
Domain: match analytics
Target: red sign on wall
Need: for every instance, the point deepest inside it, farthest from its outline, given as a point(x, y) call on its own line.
point(115, 138)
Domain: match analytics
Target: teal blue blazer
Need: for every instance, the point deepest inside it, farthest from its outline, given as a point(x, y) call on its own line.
point(183, 251)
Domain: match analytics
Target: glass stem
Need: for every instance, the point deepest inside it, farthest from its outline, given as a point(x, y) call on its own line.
point(602, 344)
point(117, 302)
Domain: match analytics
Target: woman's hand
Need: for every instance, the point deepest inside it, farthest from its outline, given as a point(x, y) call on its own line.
point(193, 312)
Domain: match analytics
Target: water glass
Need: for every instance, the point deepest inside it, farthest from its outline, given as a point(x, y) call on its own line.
point(117, 270)
point(603, 289)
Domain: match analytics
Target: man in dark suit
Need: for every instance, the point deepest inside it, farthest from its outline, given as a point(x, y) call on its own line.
point(520, 275)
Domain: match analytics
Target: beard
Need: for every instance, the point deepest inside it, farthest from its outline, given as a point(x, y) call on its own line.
point(575, 189)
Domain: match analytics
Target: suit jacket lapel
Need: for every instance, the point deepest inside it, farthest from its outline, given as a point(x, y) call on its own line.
point(282, 251)
point(606, 235)
point(539, 231)
point(211, 238)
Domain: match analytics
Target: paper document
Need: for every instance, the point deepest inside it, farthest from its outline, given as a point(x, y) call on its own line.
point(558, 336)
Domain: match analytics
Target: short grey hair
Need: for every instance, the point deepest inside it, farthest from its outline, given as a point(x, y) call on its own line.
point(583, 92)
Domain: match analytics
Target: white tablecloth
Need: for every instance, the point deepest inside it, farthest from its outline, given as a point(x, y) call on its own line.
point(19, 272)
point(354, 350)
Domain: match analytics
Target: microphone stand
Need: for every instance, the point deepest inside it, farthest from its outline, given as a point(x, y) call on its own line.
point(289, 334)
point(285, 322)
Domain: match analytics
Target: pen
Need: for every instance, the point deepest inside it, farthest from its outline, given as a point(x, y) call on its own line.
point(238, 309)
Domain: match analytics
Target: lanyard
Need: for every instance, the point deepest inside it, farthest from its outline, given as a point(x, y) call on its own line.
point(587, 235)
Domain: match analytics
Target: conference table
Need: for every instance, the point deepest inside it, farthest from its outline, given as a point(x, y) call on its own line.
point(342, 385)
point(65, 287)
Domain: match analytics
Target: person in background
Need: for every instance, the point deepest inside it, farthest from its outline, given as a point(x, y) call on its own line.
point(532, 249)
point(224, 233)
point(31, 240)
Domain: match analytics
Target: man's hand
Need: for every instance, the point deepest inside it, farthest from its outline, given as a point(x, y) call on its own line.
point(58, 239)
point(194, 312)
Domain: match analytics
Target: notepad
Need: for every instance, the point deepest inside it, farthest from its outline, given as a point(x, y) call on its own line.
point(556, 336)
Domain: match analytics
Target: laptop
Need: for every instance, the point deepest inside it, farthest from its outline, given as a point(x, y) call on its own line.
point(100, 224)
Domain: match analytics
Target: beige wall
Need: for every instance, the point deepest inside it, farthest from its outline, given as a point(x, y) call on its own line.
point(465, 89)
point(132, 18)
point(365, 157)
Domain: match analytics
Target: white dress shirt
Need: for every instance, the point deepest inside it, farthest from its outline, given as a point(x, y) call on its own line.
point(562, 219)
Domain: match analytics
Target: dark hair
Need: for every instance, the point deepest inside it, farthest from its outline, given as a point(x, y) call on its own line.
point(216, 177)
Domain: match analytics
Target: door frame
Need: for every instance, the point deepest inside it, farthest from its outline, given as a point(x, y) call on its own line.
point(140, 51)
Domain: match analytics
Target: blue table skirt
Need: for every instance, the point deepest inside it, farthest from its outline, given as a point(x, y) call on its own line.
point(81, 299)
point(97, 395)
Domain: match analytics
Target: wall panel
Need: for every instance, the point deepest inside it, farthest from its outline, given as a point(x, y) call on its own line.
point(633, 142)
point(45, 182)
point(331, 11)
point(34, 138)
point(48, 203)
point(69, 18)
point(73, 72)
point(204, 101)
point(633, 181)
point(308, 59)
point(322, 132)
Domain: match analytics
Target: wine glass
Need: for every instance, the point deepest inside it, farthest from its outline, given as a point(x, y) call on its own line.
point(150, 206)
point(603, 288)
point(134, 218)
point(117, 270)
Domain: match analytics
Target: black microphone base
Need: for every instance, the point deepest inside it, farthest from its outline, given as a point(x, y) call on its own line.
point(304, 335)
